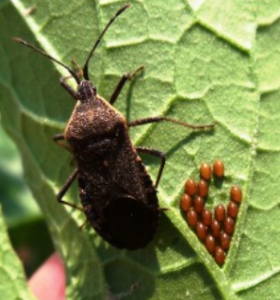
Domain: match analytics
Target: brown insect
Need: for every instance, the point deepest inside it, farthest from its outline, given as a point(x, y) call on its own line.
point(118, 196)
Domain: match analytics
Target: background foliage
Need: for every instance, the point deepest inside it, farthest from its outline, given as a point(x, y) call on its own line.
point(205, 61)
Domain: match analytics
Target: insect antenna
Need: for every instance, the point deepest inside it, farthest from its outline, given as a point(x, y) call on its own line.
point(85, 68)
point(23, 42)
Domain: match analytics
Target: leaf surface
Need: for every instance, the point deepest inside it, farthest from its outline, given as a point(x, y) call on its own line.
point(13, 282)
point(205, 62)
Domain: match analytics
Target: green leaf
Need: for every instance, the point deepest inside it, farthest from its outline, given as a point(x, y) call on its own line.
point(205, 62)
point(15, 198)
point(13, 282)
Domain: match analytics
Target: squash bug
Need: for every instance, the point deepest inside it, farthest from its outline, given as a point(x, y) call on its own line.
point(118, 197)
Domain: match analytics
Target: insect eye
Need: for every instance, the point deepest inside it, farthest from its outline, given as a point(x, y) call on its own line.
point(86, 91)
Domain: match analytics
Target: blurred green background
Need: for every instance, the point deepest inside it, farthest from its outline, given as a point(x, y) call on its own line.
point(27, 230)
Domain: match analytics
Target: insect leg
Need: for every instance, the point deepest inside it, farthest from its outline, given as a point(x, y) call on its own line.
point(60, 137)
point(77, 69)
point(161, 118)
point(79, 73)
point(156, 153)
point(67, 87)
point(123, 80)
point(65, 188)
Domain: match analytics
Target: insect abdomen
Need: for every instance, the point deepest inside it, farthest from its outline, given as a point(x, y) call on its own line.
point(125, 216)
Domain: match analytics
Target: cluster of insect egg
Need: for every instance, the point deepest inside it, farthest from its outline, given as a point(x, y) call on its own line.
point(214, 231)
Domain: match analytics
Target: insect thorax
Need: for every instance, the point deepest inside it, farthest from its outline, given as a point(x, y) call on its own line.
point(95, 129)
point(93, 119)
